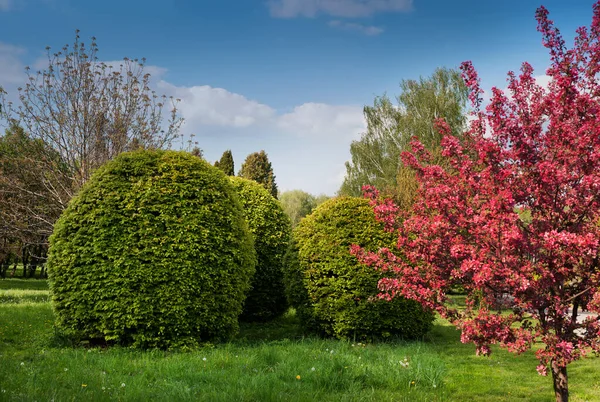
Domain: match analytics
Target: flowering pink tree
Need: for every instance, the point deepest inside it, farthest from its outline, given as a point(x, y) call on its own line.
point(516, 216)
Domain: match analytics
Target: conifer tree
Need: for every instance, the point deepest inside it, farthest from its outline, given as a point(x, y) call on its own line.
point(226, 163)
point(258, 168)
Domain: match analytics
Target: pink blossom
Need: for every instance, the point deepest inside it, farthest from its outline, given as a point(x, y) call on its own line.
point(514, 215)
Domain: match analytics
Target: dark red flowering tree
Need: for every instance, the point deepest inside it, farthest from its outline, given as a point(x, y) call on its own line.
point(515, 218)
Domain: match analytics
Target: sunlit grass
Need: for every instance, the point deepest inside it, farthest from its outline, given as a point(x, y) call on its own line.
point(24, 296)
point(269, 362)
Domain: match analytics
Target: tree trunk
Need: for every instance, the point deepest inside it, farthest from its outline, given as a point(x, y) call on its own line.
point(25, 260)
point(561, 386)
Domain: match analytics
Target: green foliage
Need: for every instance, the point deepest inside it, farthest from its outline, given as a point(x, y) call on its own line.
point(226, 163)
point(27, 189)
point(258, 168)
point(376, 156)
point(297, 204)
point(261, 364)
point(335, 294)
point(271, 229)
point(197, 152)
point(295, 288)
point(153, 252)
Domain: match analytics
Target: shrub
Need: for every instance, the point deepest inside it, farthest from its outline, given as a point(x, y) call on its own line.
point(153, 252)
point(331, 290)
point(271, 229)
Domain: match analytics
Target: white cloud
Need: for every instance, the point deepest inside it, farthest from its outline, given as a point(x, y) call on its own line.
point(353, 26)
point(5, 5)
point(307, 144)
point(11, 67)
point(320, 119)
point(208, 106)
point(336, 8)
point(205, 105)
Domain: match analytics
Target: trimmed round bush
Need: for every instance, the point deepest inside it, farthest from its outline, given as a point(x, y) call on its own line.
point(271, 229)
point(154, 251)
point(332, 292)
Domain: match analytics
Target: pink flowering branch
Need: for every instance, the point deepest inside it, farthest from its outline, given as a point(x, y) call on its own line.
point(514, 217)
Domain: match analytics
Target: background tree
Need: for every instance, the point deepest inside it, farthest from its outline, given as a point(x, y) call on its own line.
point(270, 227)
point(258, 168)
point(2, 102)
point(26, 194)
point(375, 157)
point(196, 151)
point(541, 155)
point(87, 112)
point(226, 163)
point(297, 204)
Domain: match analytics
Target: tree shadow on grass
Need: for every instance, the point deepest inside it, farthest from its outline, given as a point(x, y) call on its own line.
point(285, 327)
point(289, 328)
point(22, 284)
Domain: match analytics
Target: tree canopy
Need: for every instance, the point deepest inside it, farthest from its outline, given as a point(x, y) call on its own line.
point(297, 204)
point(85, 112)
point(27, 192)
point(258, 168)
point(375, 156)
point(226, 163)
point(513, 216)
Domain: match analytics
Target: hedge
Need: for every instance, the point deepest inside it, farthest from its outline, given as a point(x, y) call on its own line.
point(335, 294)
point(154, 251)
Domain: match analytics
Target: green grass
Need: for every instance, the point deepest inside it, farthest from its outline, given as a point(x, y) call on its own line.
point(21, 284)
point(262, 364)
point(23, 296)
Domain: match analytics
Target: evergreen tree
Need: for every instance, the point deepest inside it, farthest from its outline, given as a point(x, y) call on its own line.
point(226, 163)
point(258, 168)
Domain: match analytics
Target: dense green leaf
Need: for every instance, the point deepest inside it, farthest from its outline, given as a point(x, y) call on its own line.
point(390, 128)
point(153, 252)
point(271, 229)
point(334, 293)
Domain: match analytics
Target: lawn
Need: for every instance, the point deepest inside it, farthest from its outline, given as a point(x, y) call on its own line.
point(266, 362)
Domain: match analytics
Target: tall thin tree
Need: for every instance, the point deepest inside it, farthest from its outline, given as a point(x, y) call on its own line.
point(226, 163)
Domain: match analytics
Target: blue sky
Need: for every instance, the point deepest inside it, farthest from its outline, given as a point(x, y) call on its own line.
point(287, 76)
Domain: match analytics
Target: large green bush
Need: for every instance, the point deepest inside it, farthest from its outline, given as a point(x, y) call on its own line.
point(335, 294)
point(153, 252)
point(271, 229)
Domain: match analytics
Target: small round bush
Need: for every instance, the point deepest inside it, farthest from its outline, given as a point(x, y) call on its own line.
point(335, 294)
point(154, 251)
point(271, 229)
